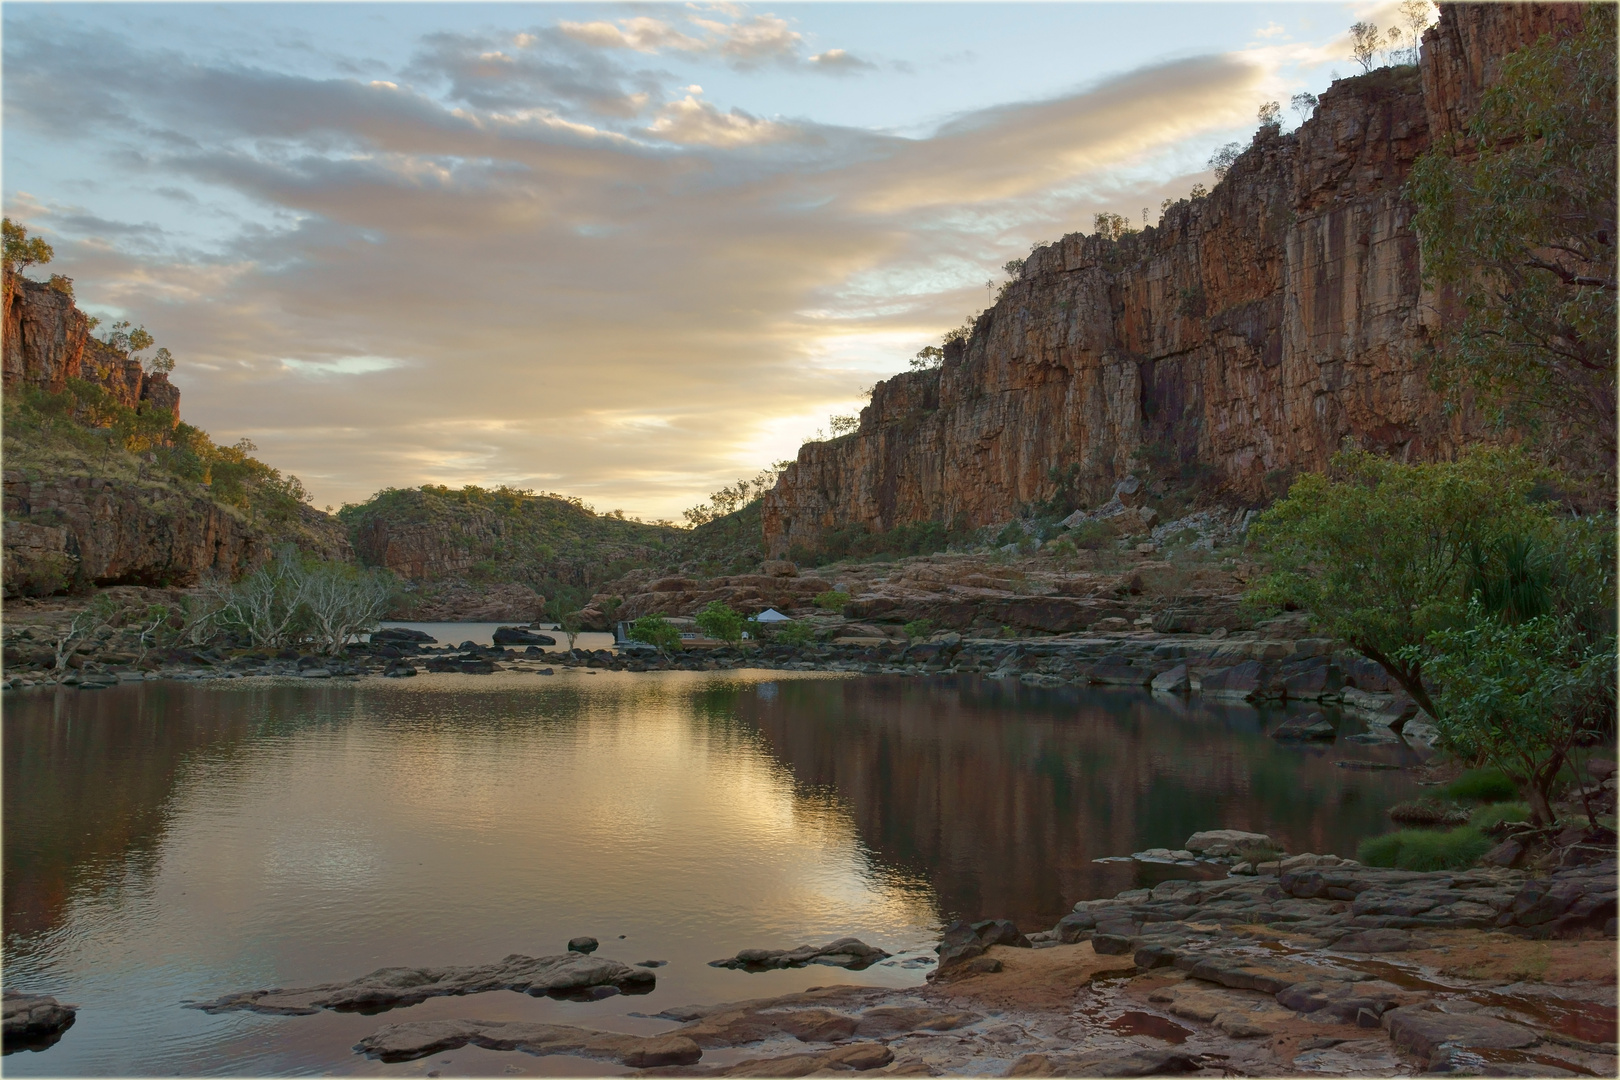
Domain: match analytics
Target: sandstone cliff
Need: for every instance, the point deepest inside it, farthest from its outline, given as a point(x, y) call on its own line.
point(1253, 331)
point(80, 509)
point(46, 341)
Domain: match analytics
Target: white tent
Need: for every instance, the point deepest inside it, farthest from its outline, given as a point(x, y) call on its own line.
point(770, 614)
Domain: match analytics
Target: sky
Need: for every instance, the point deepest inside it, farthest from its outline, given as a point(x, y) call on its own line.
point(626, 252)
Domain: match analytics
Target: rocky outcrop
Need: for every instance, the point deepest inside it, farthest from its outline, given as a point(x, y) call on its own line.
point(566, 975)
point(105, 517)
point(850, 953)
point(46, 342)
point(63, 530)
point(1253, 331)
point(34, 1021)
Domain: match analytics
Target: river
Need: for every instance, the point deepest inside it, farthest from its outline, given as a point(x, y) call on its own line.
point(170, 841)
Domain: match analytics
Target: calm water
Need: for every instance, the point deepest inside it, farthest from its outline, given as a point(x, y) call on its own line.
point(172, 841)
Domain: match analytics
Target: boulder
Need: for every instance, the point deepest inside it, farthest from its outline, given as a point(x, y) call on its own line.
point(409, 1041)
point(582, 944)
point(1174, 681)
point(1214, 843)
point(399, 669)
point(1246, 682)
point(1421, 1031)
point(403, 635)
point(1118, 675)
point(851, 954)
point(33, 1021)
point(516, 635)
point(568, 975)
point(1315, 682)
point(1312, 728)
point(963, 941)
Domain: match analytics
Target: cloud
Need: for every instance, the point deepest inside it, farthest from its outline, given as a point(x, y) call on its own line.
point(523, 259)
point(1271, 30)
point(724, 32)
point(691, 122)
point(641, 34)
point(341, 365)
point(839, 62)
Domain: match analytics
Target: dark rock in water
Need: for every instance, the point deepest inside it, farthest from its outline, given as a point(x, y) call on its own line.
point(400, 669)
point(387, 988)
point(582, 944)
point(1312, 728)
point(545, 671)
point(651, 963)
point(33, 1021)
point(403, 634)
point(407, 1042)
point(466, 667)
point(1247, 681)
point(850, 953)
point(516, 635)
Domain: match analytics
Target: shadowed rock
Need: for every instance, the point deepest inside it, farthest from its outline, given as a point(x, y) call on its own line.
point(34, 1021)
point(1422, 1031)
point(850, 953)
point(569, 975)
point(407, 1042)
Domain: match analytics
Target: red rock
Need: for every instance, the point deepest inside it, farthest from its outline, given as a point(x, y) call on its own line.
point(1254, 330)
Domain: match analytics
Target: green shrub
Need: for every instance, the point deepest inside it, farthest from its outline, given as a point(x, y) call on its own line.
point(719, 621)
point(918, 629)
point(832, 600)
point(657, 631)
point(791, 633)
point(1425, 849)
point(1255, 855)
point(1092, 535)
point(1496, 813)
point(1482, 785)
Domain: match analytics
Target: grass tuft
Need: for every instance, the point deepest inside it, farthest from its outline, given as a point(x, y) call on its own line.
point(1483, 785)
point(1425, 849)
point(1495, 813)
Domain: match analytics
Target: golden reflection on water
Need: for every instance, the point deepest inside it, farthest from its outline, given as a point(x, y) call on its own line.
point(314, 834)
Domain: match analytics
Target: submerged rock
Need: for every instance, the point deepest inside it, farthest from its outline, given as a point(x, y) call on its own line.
point(569, 975)
point(34, 1021)
point(850, 953)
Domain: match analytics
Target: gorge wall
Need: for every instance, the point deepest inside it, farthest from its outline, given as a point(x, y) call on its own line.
point(97, 519)
point(45, 341)
point(1254, 331)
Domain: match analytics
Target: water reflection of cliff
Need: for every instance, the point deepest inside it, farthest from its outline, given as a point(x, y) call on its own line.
point(1003, 795)
point(89, 778)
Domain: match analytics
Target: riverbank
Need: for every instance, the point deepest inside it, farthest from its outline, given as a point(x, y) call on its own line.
point(1243, 666)
point(1342, 971)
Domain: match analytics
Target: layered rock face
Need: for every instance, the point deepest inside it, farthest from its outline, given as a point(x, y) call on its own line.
point(65, 525)
point(47, 341)
point(1254, 331)
point(103, 531)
